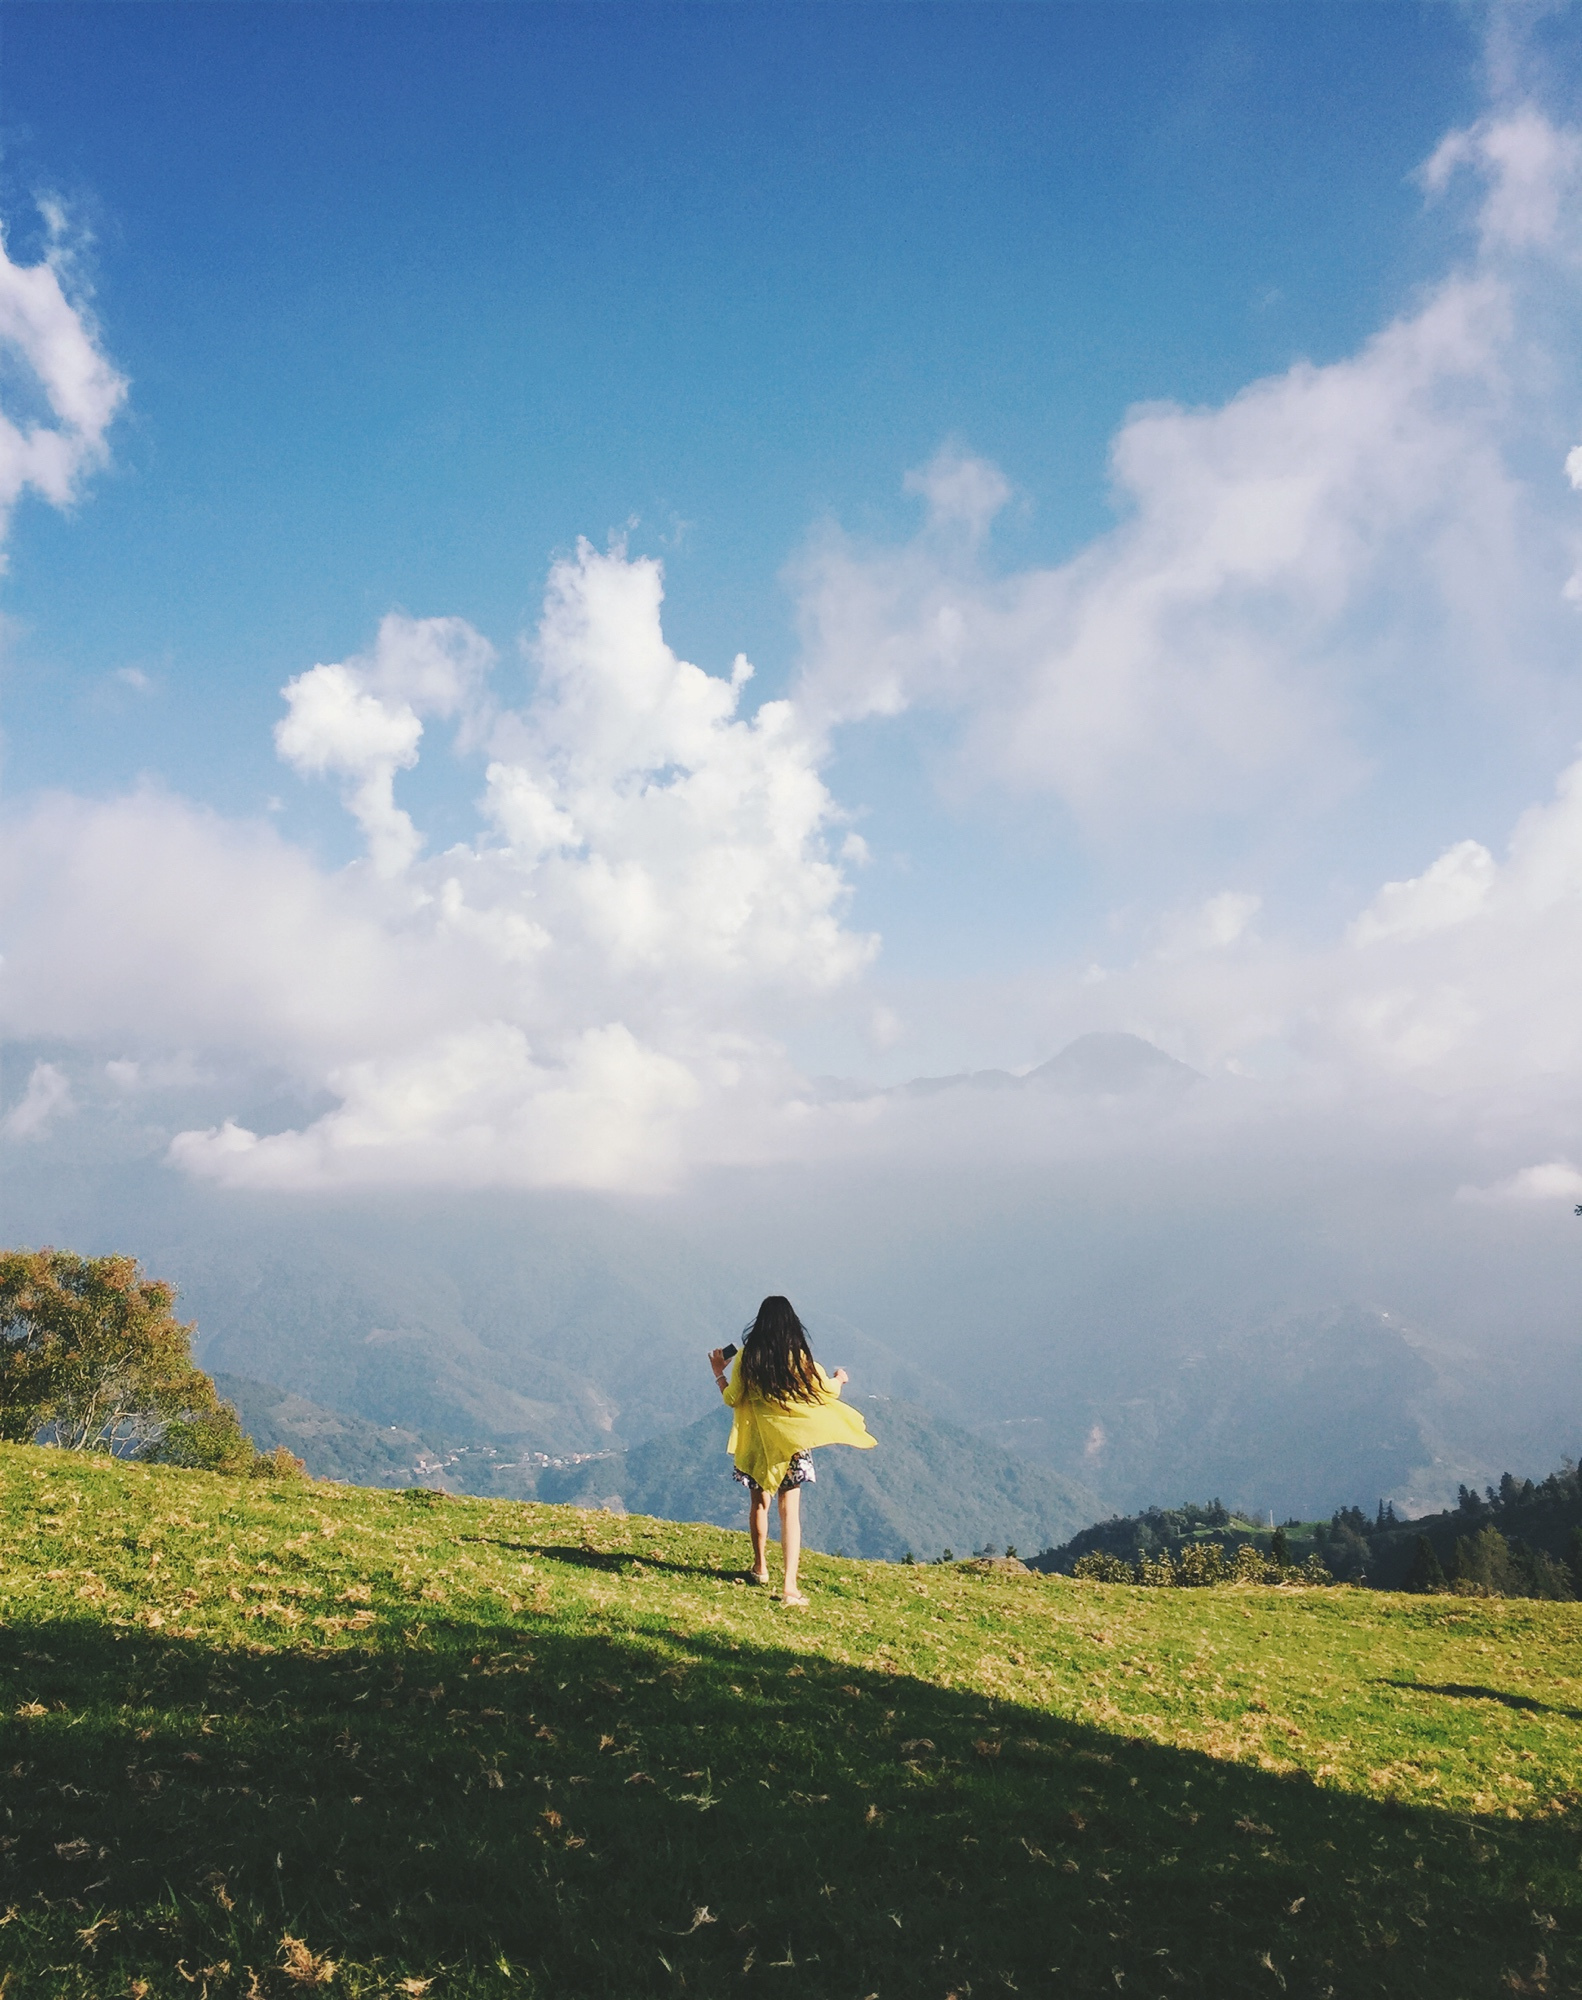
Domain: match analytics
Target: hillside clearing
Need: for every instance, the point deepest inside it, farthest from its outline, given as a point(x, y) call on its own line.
point(252, 1729)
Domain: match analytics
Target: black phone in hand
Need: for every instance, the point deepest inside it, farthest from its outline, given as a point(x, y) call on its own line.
point(727, 1353)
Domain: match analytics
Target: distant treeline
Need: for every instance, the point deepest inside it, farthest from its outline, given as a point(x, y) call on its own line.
point(1519, 1539)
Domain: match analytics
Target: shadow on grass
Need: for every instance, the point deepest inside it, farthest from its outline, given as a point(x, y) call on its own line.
point(512, 1811)
point(1463, 1692)
point(618, 1562)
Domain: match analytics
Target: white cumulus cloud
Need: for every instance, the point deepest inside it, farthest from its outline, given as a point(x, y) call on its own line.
point(1456, 887)
point(474, 1107)
point(363, 718)
point(1553, 1180)
point(569, 998)
point(643, 817)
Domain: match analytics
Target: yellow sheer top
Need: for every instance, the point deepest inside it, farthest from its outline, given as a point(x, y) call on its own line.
point(765, 1436)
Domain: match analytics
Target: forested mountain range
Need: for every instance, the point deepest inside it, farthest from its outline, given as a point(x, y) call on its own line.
point(1128, 1328)
point(562, 1326)
point(1519, 1538)
point(930, 1486)
point(934, 1487)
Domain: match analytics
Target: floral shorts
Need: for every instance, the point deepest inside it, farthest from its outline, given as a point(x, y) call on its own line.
point(798, 1473)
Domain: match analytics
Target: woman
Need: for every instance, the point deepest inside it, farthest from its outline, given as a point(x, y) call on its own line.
point(783, 1404)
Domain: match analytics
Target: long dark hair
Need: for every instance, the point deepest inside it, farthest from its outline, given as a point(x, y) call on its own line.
point(777, 1362)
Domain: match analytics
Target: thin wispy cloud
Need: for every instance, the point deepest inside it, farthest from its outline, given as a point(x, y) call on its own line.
point(1286, 566)
point(46, 1098)
point(62, 392)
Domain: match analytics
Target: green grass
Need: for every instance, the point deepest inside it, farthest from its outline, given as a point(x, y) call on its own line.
point(525, 1750)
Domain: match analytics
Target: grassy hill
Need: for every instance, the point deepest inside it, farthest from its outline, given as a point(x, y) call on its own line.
point(929, 1487)
point(268, 1738)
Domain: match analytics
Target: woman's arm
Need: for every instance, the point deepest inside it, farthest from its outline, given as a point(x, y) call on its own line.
point(721, 1382)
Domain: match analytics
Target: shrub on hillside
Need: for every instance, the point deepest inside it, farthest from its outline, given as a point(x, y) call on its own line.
point(1101, 1568)
point(1202, 1566)
point(277, 1464)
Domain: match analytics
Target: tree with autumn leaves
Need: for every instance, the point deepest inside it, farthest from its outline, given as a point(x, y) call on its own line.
point(93, 1358)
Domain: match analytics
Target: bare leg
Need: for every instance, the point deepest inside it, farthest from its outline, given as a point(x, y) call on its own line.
point(791, 1541)
point(758, 1528)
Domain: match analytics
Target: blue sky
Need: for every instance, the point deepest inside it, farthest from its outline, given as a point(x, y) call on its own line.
point(1129, 443)
point(411, 297)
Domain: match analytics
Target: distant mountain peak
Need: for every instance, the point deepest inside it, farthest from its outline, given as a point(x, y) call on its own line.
point(1112, 1065)
point(1096, 1065)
